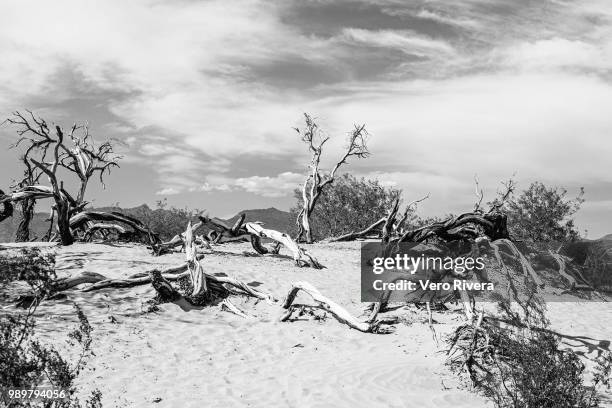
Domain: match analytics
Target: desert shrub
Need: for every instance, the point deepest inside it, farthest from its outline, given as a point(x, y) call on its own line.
point(522, 364)
point(26, 363)
point(29, 264)
point(165, 220)
point(349, 204)
point(598, 266)
point(543, 214)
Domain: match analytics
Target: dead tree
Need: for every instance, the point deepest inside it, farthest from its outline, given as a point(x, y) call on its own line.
point(316, 182)
point(251, 231)
point(31, 177)
point(46, 151)
point(380, 326)
point(85, 159)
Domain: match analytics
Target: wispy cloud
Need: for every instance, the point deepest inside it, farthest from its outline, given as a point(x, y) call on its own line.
point(404, 40)
point(447, 88)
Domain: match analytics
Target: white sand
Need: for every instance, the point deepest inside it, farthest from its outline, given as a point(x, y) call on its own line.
point(211, 358)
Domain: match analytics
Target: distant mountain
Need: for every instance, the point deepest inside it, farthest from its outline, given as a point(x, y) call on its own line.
point(272, 218)
point(606, 238)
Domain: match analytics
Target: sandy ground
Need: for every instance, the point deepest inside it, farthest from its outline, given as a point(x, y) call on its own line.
point(211, 358)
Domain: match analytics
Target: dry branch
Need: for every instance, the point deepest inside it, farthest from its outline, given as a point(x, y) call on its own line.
point(342, 315)
point(300, 255)
point(221, 232)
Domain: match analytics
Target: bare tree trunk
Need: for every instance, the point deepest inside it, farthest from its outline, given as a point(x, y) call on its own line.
point(63, 222)
point(27, 213)
point(306, 226)
point(81, 195)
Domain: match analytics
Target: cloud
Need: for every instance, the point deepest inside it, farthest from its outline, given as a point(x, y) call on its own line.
point(197, 86)
point(404, 40)
point(557, 53)
point(168, 191)
point(278, 186)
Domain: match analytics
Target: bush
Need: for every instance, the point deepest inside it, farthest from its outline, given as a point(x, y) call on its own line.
point(522, 364)
point(543, 214)
point(165, 221)
point(349, 204)
point(25, 363)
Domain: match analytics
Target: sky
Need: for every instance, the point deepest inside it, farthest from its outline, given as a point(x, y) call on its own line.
point(204, 95)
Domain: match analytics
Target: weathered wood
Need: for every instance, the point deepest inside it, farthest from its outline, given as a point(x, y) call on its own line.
point(494, 226)
point(315, 182)
point(341, 314)
point(300, 255)
point(252, 231)
point(196, 270)
point(81, 221)
point(351, 236)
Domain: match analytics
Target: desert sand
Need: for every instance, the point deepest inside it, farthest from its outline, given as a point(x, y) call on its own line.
point(211, 358)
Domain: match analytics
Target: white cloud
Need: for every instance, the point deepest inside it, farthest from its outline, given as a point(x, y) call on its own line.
point(557, 53)
point(168, 191)
point(406, 41)
point(278, 186)
point(532, 98)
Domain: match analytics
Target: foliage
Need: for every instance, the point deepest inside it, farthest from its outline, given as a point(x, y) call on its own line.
point(164, 220)
point(349, 204)
point(26, 363)
point(598, 266)
point(543, 214)
point(517, 362)
point(535, 372)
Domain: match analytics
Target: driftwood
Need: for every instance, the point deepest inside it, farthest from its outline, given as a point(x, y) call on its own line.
point(253, 232)
point(300, 255)
point(381, 326)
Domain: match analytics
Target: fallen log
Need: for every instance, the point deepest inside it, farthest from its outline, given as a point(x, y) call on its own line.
point(381, 326)
point(493, 225)
point(253, 232)
point(300, 255)
point(85, 219)
point(174, 273)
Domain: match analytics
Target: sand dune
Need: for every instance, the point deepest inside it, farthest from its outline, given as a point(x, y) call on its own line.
point(211, 358)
